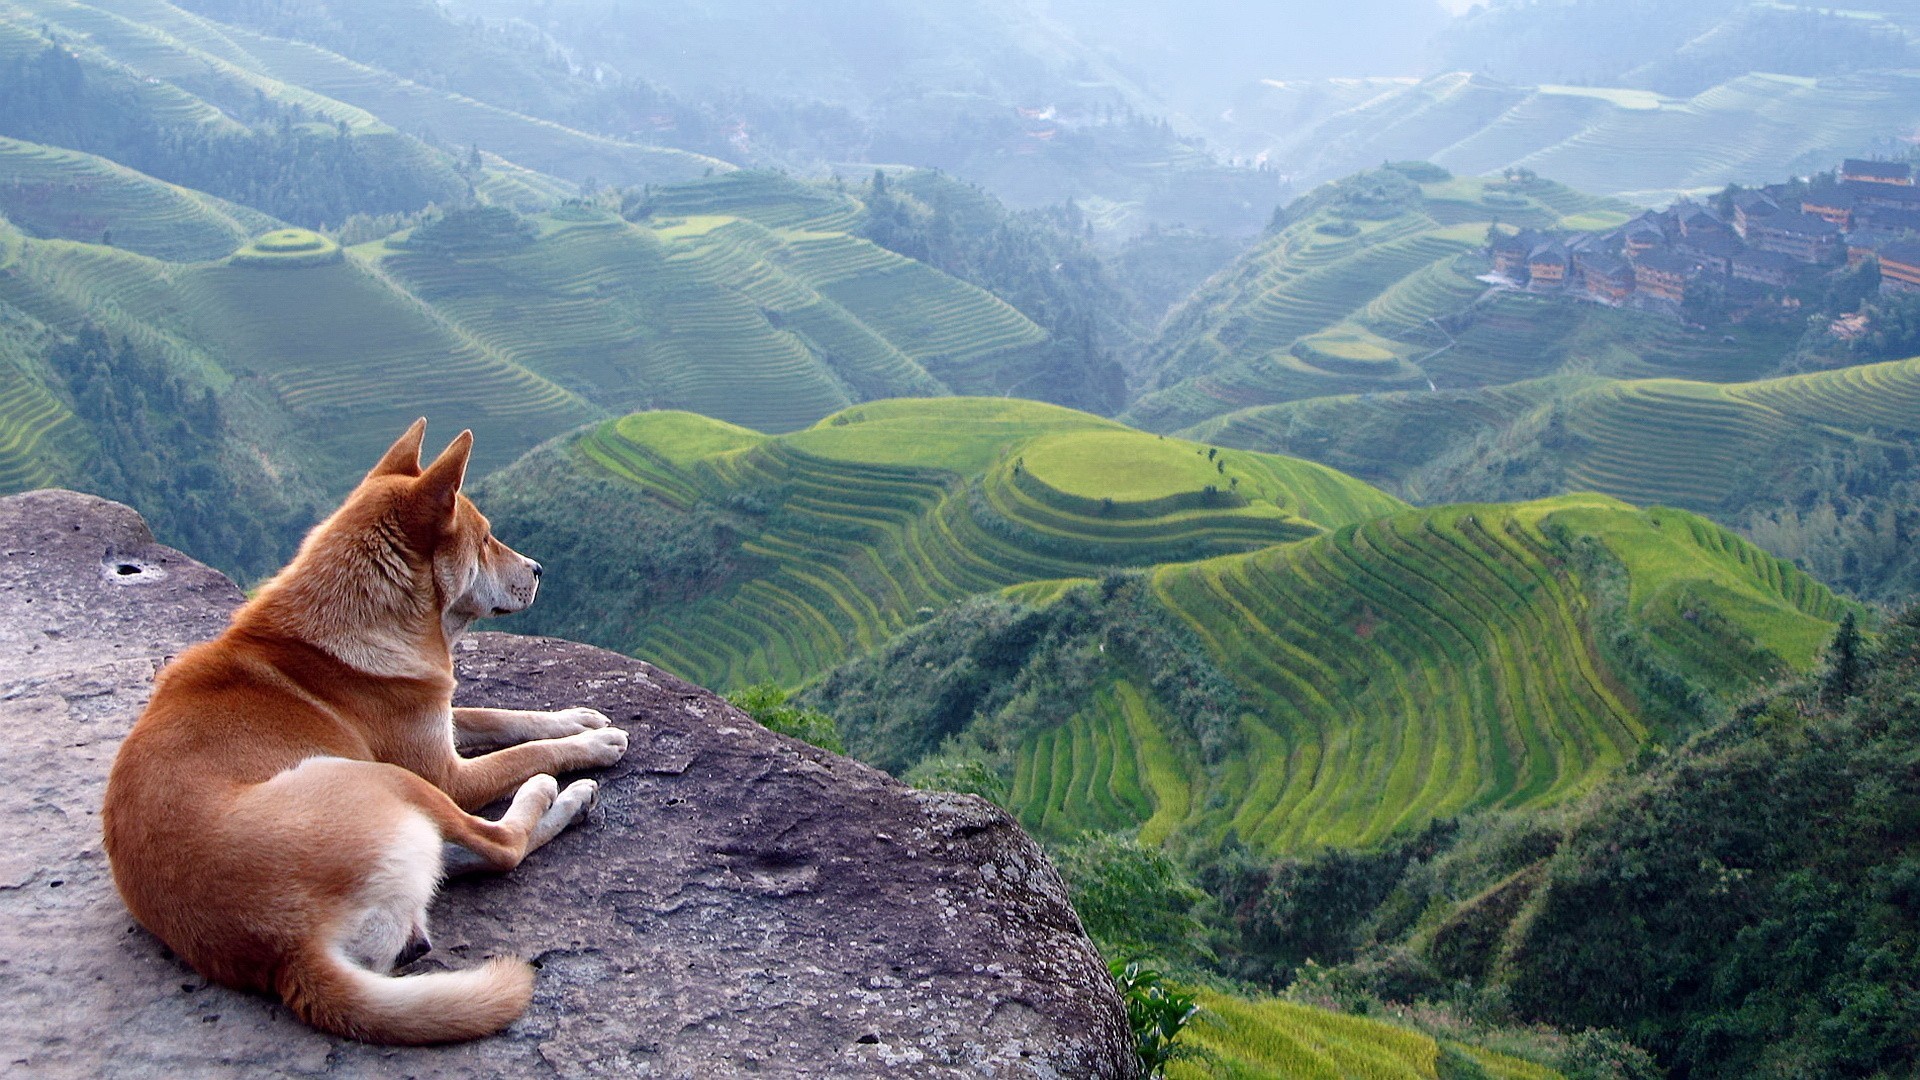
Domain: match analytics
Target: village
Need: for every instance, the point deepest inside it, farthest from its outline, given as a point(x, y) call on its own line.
point(1747, 244)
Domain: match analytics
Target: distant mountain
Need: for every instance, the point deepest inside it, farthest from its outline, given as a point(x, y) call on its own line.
point(1603, 137)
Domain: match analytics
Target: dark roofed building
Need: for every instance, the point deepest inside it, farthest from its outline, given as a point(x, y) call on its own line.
point(1900, 267)
point(1866, 243)
point(1664, 274)
point(1835, 204)
point(1877, 172)
point(1883, 196)
point(1749, 207)
point(1604, 277)
point(1895, 221)
point(1509, 253)
point(1547, 266)
point(1716, 250)
point(1766, 268)
point(1803, 236)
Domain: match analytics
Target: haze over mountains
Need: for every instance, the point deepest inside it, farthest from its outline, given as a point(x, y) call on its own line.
point(1270, 449)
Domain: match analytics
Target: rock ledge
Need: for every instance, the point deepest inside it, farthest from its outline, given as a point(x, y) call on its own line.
point(740, 903)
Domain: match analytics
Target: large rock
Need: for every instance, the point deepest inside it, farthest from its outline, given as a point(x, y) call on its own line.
point(741, 903)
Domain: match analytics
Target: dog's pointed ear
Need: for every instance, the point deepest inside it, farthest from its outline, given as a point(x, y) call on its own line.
point(403, 457)
point(442, 479)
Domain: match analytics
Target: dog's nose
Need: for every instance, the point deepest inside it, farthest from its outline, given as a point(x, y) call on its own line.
point(536, 569)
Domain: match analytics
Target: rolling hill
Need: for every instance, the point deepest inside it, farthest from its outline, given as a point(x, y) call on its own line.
point(68, 195)
point(223, 66)
point(746, 296)
point(1622, 141)
point(1386, 666)
point(1369, 286)
point(1415, 667)
point(1712, 448)
point(846, 532)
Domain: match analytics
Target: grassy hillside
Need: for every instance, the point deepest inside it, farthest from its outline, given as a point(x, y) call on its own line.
point(351, 357)
point(1714, 448)
point(1244, 1039)
point(1369, 286)
point(1383, 675)
point(1625, 142)
point(770, 315)
point(67, 195)
point(226, 65)
point(844, 533)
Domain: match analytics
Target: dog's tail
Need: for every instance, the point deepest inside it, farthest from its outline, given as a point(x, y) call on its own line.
point(332, 993)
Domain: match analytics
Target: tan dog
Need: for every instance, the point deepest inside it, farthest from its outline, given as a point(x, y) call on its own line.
point(278, 813)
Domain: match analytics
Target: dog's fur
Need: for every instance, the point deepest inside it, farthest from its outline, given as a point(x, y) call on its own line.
point(278, 814)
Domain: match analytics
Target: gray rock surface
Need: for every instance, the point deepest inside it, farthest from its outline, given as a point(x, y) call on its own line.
point(740, 903)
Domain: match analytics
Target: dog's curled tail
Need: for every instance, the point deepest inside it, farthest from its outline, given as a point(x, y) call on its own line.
point(334, 994)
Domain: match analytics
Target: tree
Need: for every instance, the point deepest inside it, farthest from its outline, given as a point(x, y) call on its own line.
point(1846, 664)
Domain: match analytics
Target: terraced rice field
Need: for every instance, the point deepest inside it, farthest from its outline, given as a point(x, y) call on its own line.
point(1108, 767)
point(770, 326)
point(1383, 439)
point(1272, 328)
point(1436, 661)
point(1697, 444)
point(353, 357)
point(32, 419)
point(68, 195)
point(1242, 1039)
point(892, 508)
point(225, 62)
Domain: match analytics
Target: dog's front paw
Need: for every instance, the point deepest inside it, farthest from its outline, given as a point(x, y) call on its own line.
point(601, 746)
point(577, 719)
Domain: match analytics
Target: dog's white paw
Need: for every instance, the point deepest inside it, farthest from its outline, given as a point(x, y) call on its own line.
point(540, 790)
point(575, 720)
point(601, 746)
point(570, 808)
point(578, 798)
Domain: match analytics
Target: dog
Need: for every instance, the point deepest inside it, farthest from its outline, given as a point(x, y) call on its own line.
point(291, 798)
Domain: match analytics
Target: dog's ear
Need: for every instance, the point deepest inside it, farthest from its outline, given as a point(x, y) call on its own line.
point(442, 479)
point(403, 457)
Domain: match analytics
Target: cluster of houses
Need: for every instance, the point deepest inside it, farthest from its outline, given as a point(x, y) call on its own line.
point(1767, 239)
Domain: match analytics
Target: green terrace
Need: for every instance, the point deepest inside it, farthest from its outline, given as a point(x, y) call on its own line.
point(770, 326)
point(1698, 445)
point(1420, 665)
point(1351, 294)
point(68, 195)
point(881, 513)
point(1236, 1038)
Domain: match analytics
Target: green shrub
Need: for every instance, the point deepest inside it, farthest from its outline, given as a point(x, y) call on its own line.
point(1134, 900)
point(969, 776)
point(1156, 1013)
point(767, 704)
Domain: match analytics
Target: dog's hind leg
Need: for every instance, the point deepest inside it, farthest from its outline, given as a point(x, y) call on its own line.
point(569, 806)
point(474, 782)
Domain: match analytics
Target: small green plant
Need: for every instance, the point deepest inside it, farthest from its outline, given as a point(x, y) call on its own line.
point(1156, 1012)
point(969, 776)
point(767, 704)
